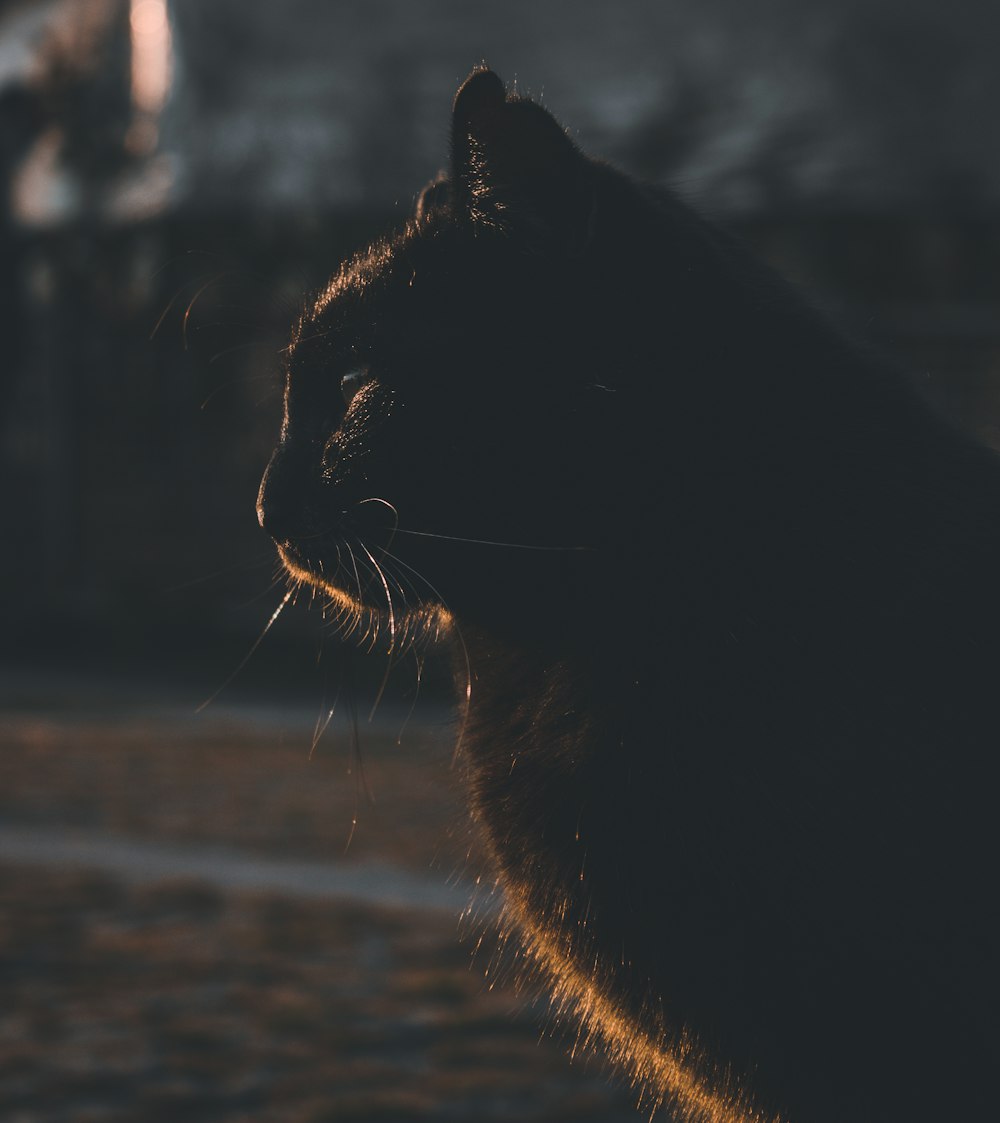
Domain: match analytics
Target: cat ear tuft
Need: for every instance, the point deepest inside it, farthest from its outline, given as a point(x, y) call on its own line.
point(515, 169)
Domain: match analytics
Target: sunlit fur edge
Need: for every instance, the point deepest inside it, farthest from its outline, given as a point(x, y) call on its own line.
point(427, 624)
point(669, 1071)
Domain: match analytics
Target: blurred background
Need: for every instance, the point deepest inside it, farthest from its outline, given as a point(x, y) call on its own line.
point(217, 913)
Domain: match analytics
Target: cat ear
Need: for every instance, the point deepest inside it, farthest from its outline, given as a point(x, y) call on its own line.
point(515, 169)
point(435, 196)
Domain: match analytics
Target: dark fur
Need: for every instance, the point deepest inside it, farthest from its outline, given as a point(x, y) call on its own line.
point(732, 741)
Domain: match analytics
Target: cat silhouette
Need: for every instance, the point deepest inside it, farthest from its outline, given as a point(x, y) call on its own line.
point(722, 596)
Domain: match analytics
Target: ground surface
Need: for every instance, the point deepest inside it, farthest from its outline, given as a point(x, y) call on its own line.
point(183, 937)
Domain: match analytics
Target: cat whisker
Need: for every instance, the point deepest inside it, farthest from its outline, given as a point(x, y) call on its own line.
point(277, 580)
point(355, 760)
point(373, 623)
point(194, 300)
point(362, 784)
point(388, 595)
point(398, 580)
point(322, 722)
point(392, 631)
point(354, 564)
point(419, 659)
point(490, 542)
point(260, 344)
point(307, 339)
point(177, 295)
point(260, 560)
point(453, 623)
point(293, 588)
point(392, 509)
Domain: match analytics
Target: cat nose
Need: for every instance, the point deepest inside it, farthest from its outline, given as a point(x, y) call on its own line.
point(265, 507)
point(274, 511)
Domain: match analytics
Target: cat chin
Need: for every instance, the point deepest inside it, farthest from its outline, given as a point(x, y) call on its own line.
point(392, 626)
point(305, 576)
point(352, 614)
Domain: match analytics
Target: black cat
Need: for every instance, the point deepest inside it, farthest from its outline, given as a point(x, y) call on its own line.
point(723, 597)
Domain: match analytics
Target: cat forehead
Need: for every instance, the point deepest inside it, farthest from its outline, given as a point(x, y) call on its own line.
point(393, 290)
point(340, 316)
point(390, 265)
point(358, 279)
point(428, 270)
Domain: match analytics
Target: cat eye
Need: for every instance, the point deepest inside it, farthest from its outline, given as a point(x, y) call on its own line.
point(352, 382)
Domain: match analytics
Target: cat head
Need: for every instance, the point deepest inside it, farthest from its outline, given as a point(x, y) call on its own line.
point(449, 380)
point(473, 377)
